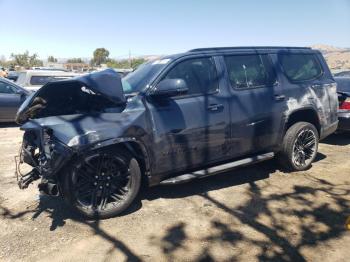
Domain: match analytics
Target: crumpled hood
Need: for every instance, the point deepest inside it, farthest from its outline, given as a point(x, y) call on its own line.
point(106, 83)
point(80, 130)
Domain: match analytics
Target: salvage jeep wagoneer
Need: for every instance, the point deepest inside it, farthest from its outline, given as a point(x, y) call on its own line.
point(96, 138)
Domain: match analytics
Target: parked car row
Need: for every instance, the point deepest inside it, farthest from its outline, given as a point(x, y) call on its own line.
point(34, 79)
point(13, 93)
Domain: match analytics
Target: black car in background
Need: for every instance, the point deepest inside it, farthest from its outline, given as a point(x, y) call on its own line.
point(343, 74)
point(96, 138)
point(343, 90)
point(11, 97)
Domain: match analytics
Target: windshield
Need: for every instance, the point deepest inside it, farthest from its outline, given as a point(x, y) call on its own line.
point(143, 75)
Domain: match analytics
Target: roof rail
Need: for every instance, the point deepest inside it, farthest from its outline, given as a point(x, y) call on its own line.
point(244, 47)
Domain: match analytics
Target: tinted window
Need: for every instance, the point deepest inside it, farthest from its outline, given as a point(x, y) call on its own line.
point(300, 67)
point(198, 73)
point(249, 71)
point(6, 88)
point(42, 80)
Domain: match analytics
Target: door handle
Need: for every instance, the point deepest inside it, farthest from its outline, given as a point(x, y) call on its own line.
point(215, 107)
point(280, 97)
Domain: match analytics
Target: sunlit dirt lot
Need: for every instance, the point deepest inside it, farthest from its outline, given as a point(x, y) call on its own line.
point(251, 214)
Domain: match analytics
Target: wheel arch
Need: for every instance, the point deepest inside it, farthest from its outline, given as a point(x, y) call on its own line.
point(303, 115)
point(133, 146)
point(136, 148)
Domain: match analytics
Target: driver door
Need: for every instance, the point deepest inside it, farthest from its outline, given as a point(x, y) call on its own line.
point(191, 130)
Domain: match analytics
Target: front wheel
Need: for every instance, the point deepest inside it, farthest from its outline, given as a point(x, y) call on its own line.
point(299, 147)
point(102, 184)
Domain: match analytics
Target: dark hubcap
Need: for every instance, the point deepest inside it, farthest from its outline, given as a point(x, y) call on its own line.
point(304, 148)
point(101, 182)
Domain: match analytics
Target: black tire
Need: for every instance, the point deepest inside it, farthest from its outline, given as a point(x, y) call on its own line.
point(102, 184)
point(296, 155)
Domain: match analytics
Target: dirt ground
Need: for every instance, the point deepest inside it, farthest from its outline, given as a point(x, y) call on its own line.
point(255, 213)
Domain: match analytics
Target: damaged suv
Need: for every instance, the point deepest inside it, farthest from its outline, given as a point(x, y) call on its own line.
point(96, 138)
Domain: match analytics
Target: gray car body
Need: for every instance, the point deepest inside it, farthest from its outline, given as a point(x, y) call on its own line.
point(174, 135)
point(10, 102)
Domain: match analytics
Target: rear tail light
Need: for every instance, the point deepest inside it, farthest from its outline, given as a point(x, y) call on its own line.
point(345, 105)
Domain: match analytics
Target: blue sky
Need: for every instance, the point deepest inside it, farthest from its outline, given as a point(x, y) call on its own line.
point(68, 28)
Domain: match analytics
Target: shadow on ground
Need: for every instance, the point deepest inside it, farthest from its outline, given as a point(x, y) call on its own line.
point(341, 139)
point(294, 220)
point(6, 125)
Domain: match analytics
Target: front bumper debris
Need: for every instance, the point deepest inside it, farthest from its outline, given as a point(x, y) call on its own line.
point(46, 155)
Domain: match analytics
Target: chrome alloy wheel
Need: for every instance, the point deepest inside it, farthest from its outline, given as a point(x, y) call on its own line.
point(304, 148)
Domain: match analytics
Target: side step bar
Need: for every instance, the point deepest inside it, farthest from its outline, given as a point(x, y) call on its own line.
point(216, 169)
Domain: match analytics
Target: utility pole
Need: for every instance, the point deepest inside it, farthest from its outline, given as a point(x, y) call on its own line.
point(129, 59)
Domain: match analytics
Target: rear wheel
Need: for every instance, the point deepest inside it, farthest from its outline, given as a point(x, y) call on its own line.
point(102, 184)
point(299, 147)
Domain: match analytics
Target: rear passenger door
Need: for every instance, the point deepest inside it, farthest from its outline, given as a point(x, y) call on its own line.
point(256, 104)
point(191, 130)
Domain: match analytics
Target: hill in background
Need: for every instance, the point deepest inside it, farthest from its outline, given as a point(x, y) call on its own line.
point(337, 58)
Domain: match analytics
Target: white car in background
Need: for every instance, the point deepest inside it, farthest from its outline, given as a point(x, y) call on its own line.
point(32, 80)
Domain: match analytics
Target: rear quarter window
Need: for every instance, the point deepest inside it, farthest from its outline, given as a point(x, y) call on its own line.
point(300, 67)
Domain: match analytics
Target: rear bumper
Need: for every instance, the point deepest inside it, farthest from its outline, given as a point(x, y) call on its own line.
point(344, 121)
point(328, 130)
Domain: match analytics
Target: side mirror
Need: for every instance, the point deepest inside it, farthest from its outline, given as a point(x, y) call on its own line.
point(170, 87)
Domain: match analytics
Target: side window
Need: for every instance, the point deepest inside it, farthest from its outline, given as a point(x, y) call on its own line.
point(250, 71)
point(42, 80)
point(6, 88)
point(300, 67)
point(199, 74)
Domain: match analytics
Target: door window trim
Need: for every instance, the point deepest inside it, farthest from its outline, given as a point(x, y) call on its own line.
point(180, 60)
point(253, 87)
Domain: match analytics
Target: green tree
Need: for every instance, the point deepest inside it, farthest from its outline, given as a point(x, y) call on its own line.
point(137, 62)
point(75, 60)
point(52, 59)
point(26, 60)
point(125, 63)
point(100, 56)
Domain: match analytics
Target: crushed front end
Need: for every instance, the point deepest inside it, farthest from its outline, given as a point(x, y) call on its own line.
point(62, 118)
point(45, 154)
